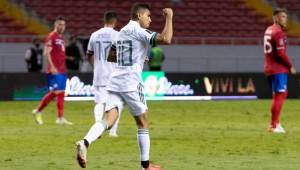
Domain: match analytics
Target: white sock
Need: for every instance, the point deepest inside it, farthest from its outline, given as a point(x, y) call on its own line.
point(114, 129)
point(98, 111)
point(96, 130)
point(144, 143)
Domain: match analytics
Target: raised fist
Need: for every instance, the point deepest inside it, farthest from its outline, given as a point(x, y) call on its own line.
point(168, 12)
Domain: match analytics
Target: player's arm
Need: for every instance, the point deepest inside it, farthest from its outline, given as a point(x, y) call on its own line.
point(112, 55)
point(284, 57)
point(281, 52)
point(47, 53)
point(27, 55)
point(165, 37)
point(90, 57)
point(293, 70)
point(90, 51)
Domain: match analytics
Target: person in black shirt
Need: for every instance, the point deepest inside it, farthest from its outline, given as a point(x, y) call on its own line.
point(34, 56)
point(73, 54)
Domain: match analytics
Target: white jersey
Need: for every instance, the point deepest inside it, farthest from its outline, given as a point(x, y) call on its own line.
point(100, 44)
point(132, 44)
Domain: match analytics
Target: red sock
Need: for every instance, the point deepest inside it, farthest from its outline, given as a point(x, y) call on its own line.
point(278, 100)
point(60, 104)
point(46, 100)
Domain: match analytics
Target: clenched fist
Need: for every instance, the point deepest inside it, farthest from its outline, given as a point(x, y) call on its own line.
point(168, 12)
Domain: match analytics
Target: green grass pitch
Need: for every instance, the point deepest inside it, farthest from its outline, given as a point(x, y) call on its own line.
point(208, 135)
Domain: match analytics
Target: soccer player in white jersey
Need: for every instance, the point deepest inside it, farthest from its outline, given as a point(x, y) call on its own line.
point(125, 83)
point(97, 52)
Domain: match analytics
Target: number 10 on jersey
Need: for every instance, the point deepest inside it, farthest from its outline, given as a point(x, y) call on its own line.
point(124, 53)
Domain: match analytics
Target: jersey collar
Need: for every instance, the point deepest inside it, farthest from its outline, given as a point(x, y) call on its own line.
point(278, 27)
point(134, 23)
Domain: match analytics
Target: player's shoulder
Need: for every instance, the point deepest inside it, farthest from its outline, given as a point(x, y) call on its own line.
point(110, 31)
point(50, 38)
point(276, 29)
point(115, 31)
point(148, 31)
point(273, 31)
point(103, 33)
point(103, 30)
point(131, 26)
point(270, 29)
point(52, 35)
point(126, 28)
point(95, 32)
point(278, 32)
point(144, 31)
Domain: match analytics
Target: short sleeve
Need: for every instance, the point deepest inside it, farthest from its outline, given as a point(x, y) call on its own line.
point(49, 41)
point(90, 47)
point(146, 36)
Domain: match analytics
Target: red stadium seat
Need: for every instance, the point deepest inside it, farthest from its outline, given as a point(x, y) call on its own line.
point(192, 18)
point(187, 14)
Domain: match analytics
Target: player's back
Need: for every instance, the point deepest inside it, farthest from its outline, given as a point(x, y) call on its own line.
point(100, 43)
point(274, 40)
point(131, 48)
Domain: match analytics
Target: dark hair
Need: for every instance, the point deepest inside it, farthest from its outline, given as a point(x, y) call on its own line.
point(59, 18)
point(35, 40)
point(109, 16)
point(136, 8)
point(279, 10)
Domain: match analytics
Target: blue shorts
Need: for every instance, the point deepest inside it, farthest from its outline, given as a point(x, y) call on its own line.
point(56, 81)
point(278, 82)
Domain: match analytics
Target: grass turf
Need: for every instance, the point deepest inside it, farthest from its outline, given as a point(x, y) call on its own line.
point(209, 135)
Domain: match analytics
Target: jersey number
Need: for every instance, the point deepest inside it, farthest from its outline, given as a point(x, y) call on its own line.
point(103, 49)
point(267, 44)
point(124, 53)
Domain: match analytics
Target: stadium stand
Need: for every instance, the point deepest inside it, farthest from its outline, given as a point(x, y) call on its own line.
point(291, 5)
point(17, 25)
point(196, 22)
point(207, 18)
point(265, 8)
point(193, 18)
point(204, 29)
point(12, 29)
point(8, 26)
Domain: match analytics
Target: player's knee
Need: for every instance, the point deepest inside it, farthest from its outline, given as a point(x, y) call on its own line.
point(111, 116)
point(99, 107)
point(142, 121)
point(143, 126)
point(57, 92)
point(110, 124)
point(98, 112)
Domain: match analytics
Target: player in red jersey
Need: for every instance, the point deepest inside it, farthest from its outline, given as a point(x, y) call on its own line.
point(56, 72)
point(277, 65)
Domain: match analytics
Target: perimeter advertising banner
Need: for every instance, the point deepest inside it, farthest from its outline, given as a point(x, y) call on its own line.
point(158, 86)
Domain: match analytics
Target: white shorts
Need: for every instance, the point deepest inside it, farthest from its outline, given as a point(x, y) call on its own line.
point(101, 94)
point(134, 99)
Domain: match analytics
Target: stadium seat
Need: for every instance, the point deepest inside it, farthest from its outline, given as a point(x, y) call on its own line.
point(193, 18)
point(9, 27)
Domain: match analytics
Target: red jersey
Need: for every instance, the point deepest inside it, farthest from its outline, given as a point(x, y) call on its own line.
point(58, 55)
point(276, 59)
